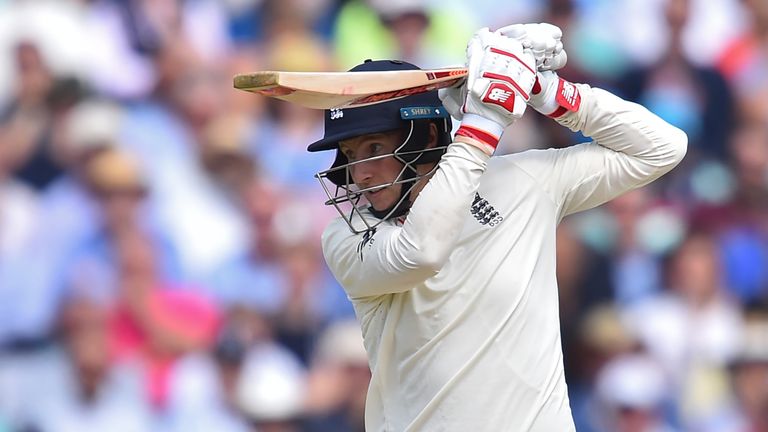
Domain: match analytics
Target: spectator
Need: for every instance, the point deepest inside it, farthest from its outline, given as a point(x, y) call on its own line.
point(740, 221)
point(692, 330)
point(313, 298)
point(581, 277)
point(270, 390)
point(166, 132)
point(100, 398)
point(76, 386)
point(155, 322)
point(25, 120)
point(694, 98)
point(253, 278)
point(247, 382)
point(749, 375)
point(119, 189)
point(635, 270)
point(430, 37)
point(288, 124)
point(203, 387)
point(745, 63)
point(600, 337)
point(20, 219)
point(338, 380)
point(631, 390)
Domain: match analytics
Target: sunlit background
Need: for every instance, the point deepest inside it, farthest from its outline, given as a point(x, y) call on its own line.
point(160, 267)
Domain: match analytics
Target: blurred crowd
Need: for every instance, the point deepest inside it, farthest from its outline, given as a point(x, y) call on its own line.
point(160, 267)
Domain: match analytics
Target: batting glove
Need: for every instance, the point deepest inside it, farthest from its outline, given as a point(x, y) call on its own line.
point(543, 40)
point(501, 74)
point(453, 99)
point(554, 96)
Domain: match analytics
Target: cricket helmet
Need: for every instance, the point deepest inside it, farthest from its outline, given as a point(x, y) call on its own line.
point(411, 114)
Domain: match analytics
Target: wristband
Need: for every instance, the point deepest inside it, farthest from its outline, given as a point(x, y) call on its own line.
point(480, 129)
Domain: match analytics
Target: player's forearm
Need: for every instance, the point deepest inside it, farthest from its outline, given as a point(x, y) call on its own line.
point(437, 216)
point(627, 127)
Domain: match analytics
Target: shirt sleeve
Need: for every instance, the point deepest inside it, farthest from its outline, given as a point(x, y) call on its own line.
point(396, 258)
point(631, 147)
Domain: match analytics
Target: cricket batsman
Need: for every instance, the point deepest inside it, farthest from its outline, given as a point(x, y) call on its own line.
point(448, 252)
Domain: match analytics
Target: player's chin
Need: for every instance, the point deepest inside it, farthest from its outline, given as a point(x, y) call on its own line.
point(383, 199)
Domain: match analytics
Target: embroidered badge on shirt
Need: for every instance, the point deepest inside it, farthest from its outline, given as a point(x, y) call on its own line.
point(484, 212)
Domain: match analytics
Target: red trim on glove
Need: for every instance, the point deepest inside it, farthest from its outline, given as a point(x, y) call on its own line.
point(479, 135)
point(567, 97)
point(536, 86)
point(509, 54)
point(558, 112)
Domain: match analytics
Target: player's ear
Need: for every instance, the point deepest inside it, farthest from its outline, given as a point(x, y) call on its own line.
point(433, 135)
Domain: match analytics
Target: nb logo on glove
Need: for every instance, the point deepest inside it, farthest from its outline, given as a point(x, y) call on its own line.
point(568, 96)
point(500, 94)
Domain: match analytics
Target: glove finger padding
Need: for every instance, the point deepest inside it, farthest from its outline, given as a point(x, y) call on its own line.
point(515, 31)
point(558, 61)
point(543, 39)
point(475, 48)
point(453, 99)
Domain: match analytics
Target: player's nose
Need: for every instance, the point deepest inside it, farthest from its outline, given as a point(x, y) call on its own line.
point(362, 172)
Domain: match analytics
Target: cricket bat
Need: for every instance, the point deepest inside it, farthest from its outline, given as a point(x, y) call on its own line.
point(326, 90)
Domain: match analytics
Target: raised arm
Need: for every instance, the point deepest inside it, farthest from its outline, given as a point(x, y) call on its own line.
point(631, 146)
point(397, 257)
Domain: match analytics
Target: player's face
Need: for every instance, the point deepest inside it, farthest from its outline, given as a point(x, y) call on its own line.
point(375, 172)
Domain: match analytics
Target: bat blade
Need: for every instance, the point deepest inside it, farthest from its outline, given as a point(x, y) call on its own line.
point(325, 90)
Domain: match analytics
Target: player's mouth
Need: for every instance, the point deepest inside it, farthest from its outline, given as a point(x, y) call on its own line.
point(374, 195)
point(375, 190)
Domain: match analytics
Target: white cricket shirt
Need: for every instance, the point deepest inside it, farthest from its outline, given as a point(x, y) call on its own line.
point(458, 303)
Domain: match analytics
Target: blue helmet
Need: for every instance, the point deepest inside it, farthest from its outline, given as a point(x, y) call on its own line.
point(412, 114)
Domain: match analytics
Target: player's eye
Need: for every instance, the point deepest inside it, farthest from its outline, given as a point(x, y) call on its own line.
point(375, 149)
point(348, 154)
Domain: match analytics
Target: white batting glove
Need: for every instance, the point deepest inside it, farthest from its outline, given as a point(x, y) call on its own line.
point(501, 74)
point(554, 96)
point(453, 98)
point(543, 39)
point(551, 95)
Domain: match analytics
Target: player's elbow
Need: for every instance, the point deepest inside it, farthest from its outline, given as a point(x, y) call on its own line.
point(427, 251)
point(669, 149)
point(678, 145)
point(429, 259)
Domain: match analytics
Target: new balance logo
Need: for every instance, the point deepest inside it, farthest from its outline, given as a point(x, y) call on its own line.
point(568, 95)
point(336, 113)
point(569, 92)
point(499, 95)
